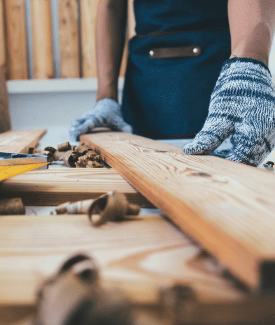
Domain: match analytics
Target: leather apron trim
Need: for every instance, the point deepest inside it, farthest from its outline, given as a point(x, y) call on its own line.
point(175, 52)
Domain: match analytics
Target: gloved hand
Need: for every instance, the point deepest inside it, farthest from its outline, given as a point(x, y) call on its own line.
point(242, 105)
point(106, 113)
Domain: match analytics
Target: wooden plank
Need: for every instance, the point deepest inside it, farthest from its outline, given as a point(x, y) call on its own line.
point(3, 56)
point(138, 256)
point(226, 206)
point(69, 38)
point(16, 39)
point(88, 17)
point(58, 185)
point(20, 141)
point(42, 39)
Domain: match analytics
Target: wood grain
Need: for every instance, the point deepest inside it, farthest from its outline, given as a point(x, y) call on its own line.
point(226, 206)
point(138, 256)
point(88, 18)
point(58, 185)
point(16, 39)
point(20, 141)
point(42, 39)
point(69, 38)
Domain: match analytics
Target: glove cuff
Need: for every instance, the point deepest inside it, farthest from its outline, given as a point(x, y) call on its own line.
point(108, 102)
point(237, 61)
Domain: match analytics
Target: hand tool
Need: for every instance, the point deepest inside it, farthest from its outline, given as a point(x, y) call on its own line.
point(12, 164)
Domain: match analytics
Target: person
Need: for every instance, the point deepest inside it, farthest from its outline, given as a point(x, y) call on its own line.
point(195, 68)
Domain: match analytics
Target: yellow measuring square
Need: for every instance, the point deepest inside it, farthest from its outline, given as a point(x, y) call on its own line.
point(9, 171)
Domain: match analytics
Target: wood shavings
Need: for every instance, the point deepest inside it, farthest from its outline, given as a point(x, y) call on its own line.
point(80, 156)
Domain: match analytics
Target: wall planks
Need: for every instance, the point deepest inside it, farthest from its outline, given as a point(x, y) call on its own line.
point(69, 38)
point(226, 206)
point(16, 39)
point(3, 54)
point(42, 39)
point(88, 18)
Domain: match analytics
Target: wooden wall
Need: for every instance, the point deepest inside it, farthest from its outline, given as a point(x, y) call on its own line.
point(76, 38)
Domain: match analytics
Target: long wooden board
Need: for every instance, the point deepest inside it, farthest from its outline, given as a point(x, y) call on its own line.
point(58, 185)
point(138, 256)
point(20, 141)
point(226, 206)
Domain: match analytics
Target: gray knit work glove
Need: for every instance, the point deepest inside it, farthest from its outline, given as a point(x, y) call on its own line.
point(242, 105)
point(105, 113)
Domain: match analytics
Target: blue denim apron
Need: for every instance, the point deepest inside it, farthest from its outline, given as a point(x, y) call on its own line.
point(168, 97)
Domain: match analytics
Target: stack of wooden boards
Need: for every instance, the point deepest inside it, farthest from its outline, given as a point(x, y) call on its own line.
point(226, 207)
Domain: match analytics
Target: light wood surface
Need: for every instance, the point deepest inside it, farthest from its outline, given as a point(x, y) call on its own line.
point(88, 18)
point(58, 185)
point(42, 39)
point(20, 141)
point(3, 55)
point(16, 39)
point(226, 206)
point(138, 256)
point(69, 38)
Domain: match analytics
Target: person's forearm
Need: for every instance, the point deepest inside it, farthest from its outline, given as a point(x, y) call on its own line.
point(252, 25)
point(110, 36)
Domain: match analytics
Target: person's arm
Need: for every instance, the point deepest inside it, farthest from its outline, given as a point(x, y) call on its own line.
point(252, 26)
point(242, 104)
point(110, 36)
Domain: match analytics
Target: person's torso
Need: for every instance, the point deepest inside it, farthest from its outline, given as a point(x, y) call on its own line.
point(174, 62)
point(177, 15)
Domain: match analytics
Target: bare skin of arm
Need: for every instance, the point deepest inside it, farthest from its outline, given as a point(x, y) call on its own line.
point(110, 37)
point(252, 26)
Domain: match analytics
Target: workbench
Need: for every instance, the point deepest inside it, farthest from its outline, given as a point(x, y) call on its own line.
point(140, 256)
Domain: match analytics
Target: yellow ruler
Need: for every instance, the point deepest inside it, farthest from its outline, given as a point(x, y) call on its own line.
point(9, 171)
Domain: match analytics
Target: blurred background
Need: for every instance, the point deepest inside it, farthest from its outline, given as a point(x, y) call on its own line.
point(47, 51)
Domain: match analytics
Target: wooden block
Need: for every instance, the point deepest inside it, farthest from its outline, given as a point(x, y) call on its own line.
point(69, 38)
point(226, 206)
point(3, 56)
point(42, 39)
point(20, 141)
point(16, 39)
point(58, 185)
point(88, 18)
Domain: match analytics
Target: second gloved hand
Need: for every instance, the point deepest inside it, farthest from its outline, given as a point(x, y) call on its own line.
point(106, 113)
point(242, 105)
